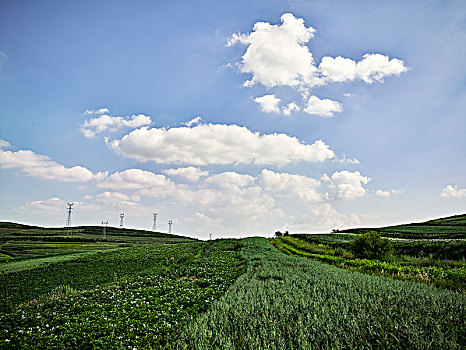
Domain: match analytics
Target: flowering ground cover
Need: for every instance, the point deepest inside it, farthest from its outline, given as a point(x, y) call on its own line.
point(152, 292)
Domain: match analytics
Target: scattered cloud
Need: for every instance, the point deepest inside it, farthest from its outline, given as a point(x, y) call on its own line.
point(323, 108)
point(291, 107)
point(43, 167)
point(196, 120)
point(105, 122)
point(399, 191)
point(382, 193)
point(268, 103)
point(279, 55)
point(4, 144)
point(348, 185)
point(345, 160)
point(217, 144)
point(96, 111)
point(190, 173)
point(453, 192)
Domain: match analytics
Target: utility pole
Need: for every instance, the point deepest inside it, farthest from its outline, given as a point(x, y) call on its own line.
point(170, 226)
point(210, 236)
point(68, 219)
point(122, 215)
point(104, 233)
point(154, 225)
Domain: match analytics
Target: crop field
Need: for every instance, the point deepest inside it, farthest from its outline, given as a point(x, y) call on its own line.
point(283, 302)
point(144, 290)
point(442, 273)
point(136, 297)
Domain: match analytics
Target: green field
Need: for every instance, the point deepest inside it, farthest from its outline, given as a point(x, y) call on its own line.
point(146, 290)
point(452, 227)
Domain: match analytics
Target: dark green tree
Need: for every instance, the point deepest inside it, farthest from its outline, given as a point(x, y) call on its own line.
point(370, 245)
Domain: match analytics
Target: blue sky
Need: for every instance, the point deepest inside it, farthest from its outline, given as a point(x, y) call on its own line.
point(232, 118)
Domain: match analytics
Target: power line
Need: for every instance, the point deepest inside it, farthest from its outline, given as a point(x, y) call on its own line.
point(68, 219)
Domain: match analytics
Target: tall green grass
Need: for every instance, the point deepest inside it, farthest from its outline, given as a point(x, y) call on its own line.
point(283, 302)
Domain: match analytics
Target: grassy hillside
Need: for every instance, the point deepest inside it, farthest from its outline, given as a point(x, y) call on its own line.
point(19, 241)
point(452, 227)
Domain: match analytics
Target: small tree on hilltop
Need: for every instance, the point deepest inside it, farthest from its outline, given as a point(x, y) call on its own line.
point(370, 245)
point(278, 234)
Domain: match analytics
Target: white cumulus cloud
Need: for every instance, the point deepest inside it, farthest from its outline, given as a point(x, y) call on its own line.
point(96, 111)
point(190, 173)
point(277, 54)
point(299, 186)
point(108, 123)
point(453, 192)
point(217, 144)
point(135, 179)
point(230, 178)
point(291, 107)
point(43, 167)
point(323, 108)
point(382, 193)
point(268, 103)
point(348, 185)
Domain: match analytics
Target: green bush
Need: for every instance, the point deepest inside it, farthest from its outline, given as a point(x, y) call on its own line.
point(370, 245)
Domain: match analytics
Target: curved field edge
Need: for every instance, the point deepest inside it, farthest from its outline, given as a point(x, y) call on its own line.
point(155, 291)
point(283, 302)
point(444, 277)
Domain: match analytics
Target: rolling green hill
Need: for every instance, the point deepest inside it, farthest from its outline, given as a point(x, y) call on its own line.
point(452, 227)
point(18, 241)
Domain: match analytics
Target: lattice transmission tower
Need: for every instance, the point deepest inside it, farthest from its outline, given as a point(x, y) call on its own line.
point(122, 215)
point(68, 218)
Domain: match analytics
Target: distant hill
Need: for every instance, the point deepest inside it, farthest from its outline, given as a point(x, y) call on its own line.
point(85, 232)
point(453, 227)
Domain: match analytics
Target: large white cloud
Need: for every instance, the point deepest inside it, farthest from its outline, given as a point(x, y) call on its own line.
point(217, 144)
point(43, 167)
point(105, 122)
point(278, 55)
point(453, 192)
point(373, 67)
point(349, 185)
point(323, 108)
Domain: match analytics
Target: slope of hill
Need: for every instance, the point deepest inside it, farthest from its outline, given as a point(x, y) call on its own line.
point(18, 241)
point(452, 227)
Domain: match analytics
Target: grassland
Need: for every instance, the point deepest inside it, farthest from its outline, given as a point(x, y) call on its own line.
point(283, 302)
point(19, 242)
point(452, 227)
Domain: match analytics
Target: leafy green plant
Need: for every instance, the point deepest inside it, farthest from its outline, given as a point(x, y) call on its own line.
point(370, 245)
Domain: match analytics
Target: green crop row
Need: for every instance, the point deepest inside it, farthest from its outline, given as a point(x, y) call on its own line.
point(283, 302)
point(442, 276)
point(152, 293)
